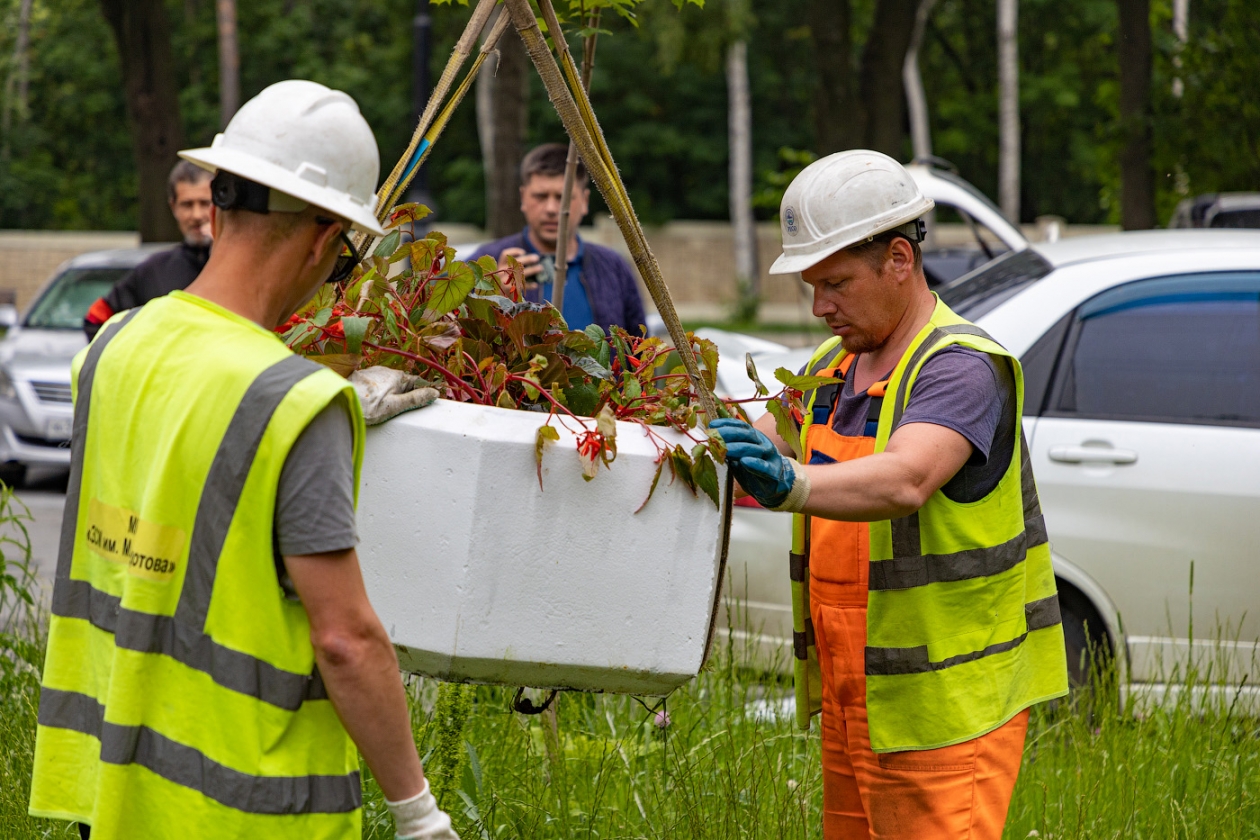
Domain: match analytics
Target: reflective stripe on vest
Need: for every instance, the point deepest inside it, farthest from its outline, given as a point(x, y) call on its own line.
point(183, 765)
point(1038, 615)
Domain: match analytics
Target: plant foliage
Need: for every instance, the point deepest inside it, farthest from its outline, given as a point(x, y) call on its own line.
point(464, 327)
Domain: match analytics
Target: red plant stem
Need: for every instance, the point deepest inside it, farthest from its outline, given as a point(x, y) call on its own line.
point(477, 370)
point(511, 377)
point(450, 377)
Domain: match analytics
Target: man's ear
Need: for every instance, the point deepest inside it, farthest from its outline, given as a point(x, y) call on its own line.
point(319, 247)
point(522, 190)
point(900, 257)
point(216, 220)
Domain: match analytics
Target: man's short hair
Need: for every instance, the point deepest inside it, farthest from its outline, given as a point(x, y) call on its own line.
point(185, 173)
point(548, 160)
point(876, 251)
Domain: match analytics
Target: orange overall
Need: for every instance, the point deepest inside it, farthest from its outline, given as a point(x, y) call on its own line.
point(960, 791)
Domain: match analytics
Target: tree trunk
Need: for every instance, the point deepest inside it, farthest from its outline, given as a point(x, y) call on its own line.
point(1008, 108)
point(502, 122)
point(18, 83)
point(744, 227)
point(912, 79)
point(1181, 28)
point(883, 96)
point(143, 36)
point(838, 118)
point(229, 61)
point(1137, 178)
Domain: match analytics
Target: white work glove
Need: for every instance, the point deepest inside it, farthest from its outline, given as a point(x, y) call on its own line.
point(419, 818)
point(385, 393)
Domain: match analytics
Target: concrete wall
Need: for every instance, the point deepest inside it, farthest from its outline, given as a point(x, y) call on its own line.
point(28, 258)
point(696, 258)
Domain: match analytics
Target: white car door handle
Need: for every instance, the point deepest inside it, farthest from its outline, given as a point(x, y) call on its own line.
point(1092, 455)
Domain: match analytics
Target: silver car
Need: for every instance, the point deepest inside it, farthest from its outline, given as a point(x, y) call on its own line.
point(35, 356)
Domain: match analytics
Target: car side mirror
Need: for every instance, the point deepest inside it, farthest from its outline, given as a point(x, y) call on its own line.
point(8, 316)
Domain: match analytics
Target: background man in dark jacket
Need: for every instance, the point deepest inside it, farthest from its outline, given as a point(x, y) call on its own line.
point(600, 287)
point(188, 193)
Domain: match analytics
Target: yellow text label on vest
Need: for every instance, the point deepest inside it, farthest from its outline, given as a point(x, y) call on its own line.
point(149, 550)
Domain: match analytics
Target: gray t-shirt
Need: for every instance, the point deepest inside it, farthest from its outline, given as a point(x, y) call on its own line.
point(961, 389)
point(315, 499)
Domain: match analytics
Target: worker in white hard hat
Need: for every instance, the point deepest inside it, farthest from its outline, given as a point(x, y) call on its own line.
point(213, 661)
point(925, 614)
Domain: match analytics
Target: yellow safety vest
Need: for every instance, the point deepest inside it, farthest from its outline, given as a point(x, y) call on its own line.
point(180, 694)
point(963, 627)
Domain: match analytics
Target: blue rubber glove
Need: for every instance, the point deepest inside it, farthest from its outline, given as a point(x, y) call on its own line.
point(758, 466)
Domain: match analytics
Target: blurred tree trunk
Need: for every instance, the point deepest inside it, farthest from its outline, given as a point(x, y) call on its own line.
point(229, 61)
point(912, 79)
point(1008, 108)
point(880, 82)
point(744, 226)
point(838, 117)
point(143, 36)
point(502, 123)
point(1137, 177)
point(17, 86)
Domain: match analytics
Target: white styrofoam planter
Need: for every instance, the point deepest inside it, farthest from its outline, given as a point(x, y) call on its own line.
point(478, 575)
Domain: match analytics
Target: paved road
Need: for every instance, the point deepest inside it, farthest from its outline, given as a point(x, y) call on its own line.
point(46, 498)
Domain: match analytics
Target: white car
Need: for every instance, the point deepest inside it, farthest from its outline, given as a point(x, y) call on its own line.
point(1141, 357)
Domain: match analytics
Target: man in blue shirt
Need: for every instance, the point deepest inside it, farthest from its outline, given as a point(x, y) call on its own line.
point(599, 287)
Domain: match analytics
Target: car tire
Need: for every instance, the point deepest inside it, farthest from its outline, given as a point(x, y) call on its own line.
point(1085, 636)
point(13, 474)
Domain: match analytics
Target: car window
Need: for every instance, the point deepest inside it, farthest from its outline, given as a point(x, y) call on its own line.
point(975, 294)
point(1172, 349)
point(67, 300)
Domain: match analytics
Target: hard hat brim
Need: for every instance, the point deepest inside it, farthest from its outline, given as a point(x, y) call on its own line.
point(282, 180)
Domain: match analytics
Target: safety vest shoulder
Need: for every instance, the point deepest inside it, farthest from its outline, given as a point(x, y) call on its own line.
point(962, 614)
point(180, 685)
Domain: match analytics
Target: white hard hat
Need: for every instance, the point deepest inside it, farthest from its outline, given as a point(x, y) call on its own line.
point(306, 141)
point(841, 200)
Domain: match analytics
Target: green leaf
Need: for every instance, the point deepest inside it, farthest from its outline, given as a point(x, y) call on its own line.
point(592, 368)
point(388, 245)
point(762, 390)
point(631, 388)
point(356, 330)
point(680, 463)
point(582, 399)
point(450, 289)
point(656, 477)
point(803, 383)
point(705, 472)
point(785, 425)
point(546, 434)
point(596, 332)
point(321, 317)
point(709, 358)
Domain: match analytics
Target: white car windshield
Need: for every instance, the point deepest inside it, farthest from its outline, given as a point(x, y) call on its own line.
point(66, 302)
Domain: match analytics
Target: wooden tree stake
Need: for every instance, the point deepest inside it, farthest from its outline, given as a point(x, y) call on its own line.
point(579, 121)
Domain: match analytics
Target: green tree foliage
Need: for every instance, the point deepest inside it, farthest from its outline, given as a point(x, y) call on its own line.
point(660, 92)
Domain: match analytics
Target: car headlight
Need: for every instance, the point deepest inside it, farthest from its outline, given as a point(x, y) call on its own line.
point(6, 385)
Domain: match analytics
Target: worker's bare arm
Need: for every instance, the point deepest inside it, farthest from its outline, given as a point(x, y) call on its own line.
point(766, 425)
point(919, 459)
point(359, 667)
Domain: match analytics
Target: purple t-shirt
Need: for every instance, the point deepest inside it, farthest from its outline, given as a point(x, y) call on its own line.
point(961, 389)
